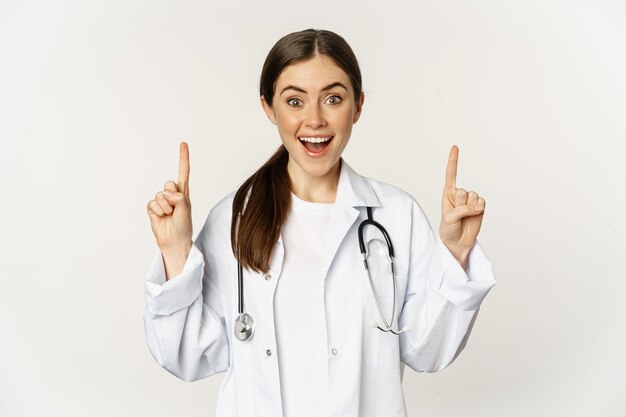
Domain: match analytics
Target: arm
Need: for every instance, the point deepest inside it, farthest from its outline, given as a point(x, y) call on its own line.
point(442, 299)
point(183, 316)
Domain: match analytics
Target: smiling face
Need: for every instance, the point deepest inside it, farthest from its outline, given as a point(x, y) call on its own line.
point(314, 99)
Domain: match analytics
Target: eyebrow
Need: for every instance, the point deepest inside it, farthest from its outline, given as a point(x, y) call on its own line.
point(328, 87)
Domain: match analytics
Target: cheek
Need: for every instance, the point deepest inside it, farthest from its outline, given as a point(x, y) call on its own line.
point(344, 118)
point(287, 122)
point(287, 129)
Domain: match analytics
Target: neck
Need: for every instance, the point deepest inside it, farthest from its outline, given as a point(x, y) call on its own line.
point(316, 189)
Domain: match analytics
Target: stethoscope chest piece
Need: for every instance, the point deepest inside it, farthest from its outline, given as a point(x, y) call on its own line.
point(244, 326)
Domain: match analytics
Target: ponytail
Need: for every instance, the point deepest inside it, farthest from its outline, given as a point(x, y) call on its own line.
point(260, 208)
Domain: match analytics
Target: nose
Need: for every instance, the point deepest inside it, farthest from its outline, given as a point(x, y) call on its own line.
point(314, 117)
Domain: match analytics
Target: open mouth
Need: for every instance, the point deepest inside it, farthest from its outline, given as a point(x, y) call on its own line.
point(315, 144)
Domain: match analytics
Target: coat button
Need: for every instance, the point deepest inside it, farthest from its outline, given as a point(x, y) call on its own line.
point(268, 352)
point(334, 351)
point(268, 277)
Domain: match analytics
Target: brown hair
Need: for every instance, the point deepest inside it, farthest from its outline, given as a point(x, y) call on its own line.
point(266, 193)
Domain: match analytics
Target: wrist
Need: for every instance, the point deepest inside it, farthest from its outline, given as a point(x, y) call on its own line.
point(174, 259)
point(461, 254)
point(177, 249)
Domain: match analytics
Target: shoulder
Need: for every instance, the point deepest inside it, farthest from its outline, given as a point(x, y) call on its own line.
point(222, 210)
point(218, 222)
point(389, 194)
point(397, 203)
point(400, 212)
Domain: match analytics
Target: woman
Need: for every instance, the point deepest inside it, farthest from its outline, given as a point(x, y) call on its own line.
point(327, 335)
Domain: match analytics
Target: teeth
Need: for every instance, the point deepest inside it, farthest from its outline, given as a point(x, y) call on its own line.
point(315, 140)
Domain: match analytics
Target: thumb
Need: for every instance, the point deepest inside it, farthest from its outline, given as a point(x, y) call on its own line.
point(466, 210)
point(173, 197)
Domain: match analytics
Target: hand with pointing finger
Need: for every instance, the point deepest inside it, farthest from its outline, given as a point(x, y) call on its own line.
point(170, 210)
point(461, 213)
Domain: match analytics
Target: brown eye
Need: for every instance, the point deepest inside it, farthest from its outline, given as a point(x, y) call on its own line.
point(334, 99)
point(293, 102)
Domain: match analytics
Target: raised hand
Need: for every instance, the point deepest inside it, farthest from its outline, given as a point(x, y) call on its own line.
point(170, 211)
point(461, 213)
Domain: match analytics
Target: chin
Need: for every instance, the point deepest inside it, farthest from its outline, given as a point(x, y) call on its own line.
point(316, 169)
point(318, 172)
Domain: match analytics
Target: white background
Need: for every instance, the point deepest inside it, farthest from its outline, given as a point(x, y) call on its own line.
point(96, 96)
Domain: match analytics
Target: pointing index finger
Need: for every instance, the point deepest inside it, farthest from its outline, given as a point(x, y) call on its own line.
point(453, 160)
point(183, 169)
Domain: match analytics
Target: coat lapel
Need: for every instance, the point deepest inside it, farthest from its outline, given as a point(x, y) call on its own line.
point(353, 191)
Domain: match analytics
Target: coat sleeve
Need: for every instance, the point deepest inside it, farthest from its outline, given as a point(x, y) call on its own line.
point(442, 299)
point(183, 316)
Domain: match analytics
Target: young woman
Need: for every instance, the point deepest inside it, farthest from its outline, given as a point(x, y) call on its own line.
point(309, 307)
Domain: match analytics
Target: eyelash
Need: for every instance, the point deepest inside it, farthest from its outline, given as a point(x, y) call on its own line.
point(336, 96)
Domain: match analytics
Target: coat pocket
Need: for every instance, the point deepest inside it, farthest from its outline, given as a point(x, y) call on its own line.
point(380, 349)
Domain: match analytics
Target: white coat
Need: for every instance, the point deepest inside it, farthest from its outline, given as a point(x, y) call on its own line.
point(189, 319)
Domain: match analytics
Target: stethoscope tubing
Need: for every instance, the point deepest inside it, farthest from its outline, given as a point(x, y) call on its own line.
point(244, 324)
point(371, 222)
point(240, 287)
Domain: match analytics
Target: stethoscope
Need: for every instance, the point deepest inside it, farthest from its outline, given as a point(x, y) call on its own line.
point(244, 324)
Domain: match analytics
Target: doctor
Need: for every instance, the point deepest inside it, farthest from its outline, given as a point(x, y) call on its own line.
point(320, 344)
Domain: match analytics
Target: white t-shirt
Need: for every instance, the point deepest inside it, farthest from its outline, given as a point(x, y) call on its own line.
point(299, 313)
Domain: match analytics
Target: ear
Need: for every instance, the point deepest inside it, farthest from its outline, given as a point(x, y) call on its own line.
point(268, 110)
point(359, 108)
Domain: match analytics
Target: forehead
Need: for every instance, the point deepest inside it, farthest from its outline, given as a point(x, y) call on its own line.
point(312, 74)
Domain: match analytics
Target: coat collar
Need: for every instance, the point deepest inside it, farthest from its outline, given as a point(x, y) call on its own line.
point(354, 190)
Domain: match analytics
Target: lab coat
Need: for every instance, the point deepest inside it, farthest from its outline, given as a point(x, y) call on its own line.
point(189, 319)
